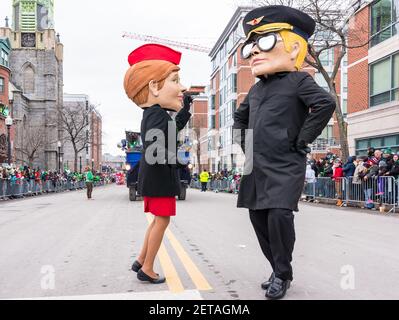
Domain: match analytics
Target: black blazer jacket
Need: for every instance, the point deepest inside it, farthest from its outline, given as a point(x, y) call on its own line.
point(158, 175)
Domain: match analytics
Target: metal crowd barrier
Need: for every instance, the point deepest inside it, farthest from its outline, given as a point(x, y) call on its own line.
point(218, 185)
point(376, 190)
point(21, 188)
point(382, 191)
point(328, 188)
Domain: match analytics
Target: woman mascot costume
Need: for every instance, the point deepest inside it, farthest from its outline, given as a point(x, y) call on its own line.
point(153, 83)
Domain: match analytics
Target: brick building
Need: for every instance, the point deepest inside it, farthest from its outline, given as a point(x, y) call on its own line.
point(5, 109)
point(373, 77)
point(231, 80)
point(196, 133)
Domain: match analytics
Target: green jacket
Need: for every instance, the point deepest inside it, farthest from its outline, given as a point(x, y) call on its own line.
point(89, 176)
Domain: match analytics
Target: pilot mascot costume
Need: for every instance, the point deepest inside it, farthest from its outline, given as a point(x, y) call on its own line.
point(283, 113)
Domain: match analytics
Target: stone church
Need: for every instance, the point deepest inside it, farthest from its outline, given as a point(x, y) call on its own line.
point(36, 64)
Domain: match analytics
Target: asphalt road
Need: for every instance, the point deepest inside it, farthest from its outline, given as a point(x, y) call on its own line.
point(62, 246)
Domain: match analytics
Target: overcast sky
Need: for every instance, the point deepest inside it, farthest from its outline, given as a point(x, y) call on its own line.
point(95, 54)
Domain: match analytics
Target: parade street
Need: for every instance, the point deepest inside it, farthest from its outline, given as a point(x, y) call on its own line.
point(65, 246)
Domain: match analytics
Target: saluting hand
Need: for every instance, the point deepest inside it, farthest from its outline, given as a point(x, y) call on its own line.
point(187, 101)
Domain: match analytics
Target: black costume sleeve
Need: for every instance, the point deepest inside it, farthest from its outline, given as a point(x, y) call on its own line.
point(182, 118)
point(322, 106)
point(241, 120)
point(156, 120)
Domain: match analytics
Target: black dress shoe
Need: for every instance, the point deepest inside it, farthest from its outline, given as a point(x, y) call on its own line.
point(136, 266)
point(278, 289)
point(145, 278)
point(266, 285)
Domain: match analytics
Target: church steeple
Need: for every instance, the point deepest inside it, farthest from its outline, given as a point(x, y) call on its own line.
point(33, 15)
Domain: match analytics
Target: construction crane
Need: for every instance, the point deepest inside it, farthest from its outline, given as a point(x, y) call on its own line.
point(172, 43)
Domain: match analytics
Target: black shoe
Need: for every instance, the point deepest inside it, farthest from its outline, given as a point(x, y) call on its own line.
point(278, 289)
point(136, 266)
point(145, 278)
point(266, 285)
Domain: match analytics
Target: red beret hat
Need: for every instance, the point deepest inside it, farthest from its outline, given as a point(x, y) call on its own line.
point(154, 52)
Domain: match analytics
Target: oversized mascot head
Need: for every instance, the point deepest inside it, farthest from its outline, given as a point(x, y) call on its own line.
point(153, 77)
point(276, 39)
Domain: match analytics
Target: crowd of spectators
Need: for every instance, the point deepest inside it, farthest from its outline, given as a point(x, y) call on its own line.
point(11, 176)
point(366, 173)
point(376, 163)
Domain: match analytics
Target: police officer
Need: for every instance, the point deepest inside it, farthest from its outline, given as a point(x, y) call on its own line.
point(286, 111)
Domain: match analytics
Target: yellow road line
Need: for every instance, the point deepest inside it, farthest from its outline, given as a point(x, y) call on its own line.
point(172, 278)
point(199, 280)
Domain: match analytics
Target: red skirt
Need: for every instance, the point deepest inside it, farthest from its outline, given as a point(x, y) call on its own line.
point(160, 207)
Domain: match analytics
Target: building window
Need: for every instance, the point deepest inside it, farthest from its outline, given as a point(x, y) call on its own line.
point(4, 58)
point(29, 80)
point(212, 122)
point(2, 85)
point(321, 81)
point(384, 20)
point(384, 81)
point(233, 79)
point(213, 102)
point(327, 133)
point(345, 107)
point(214, 65)
point(345, 82)
point(327, 57)
point(391, 141)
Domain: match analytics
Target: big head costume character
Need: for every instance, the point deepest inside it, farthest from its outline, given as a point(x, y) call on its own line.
point(276, 39)
point(149, 80)
point(277, 111)
point(152, 82)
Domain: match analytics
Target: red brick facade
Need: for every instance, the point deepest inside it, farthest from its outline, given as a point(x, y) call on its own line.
point(4, 101)
point(199, 125)
point(358, 69)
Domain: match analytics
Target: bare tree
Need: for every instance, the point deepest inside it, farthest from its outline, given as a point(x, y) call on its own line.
point(333, 32)
point(74, 121)
point(200, 123)
point(32, 141)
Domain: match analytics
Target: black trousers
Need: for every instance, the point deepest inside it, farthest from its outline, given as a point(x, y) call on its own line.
point(204, 186)
point(275, 230)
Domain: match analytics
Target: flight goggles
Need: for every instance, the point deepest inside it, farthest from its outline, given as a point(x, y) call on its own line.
point(264, 42)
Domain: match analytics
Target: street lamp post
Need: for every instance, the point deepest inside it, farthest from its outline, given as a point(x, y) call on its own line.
point(59, 144)
point(9, 123)
point(80, 161)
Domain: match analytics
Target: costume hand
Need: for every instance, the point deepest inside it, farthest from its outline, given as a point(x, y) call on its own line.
point(301, 148)
point(187, 101)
